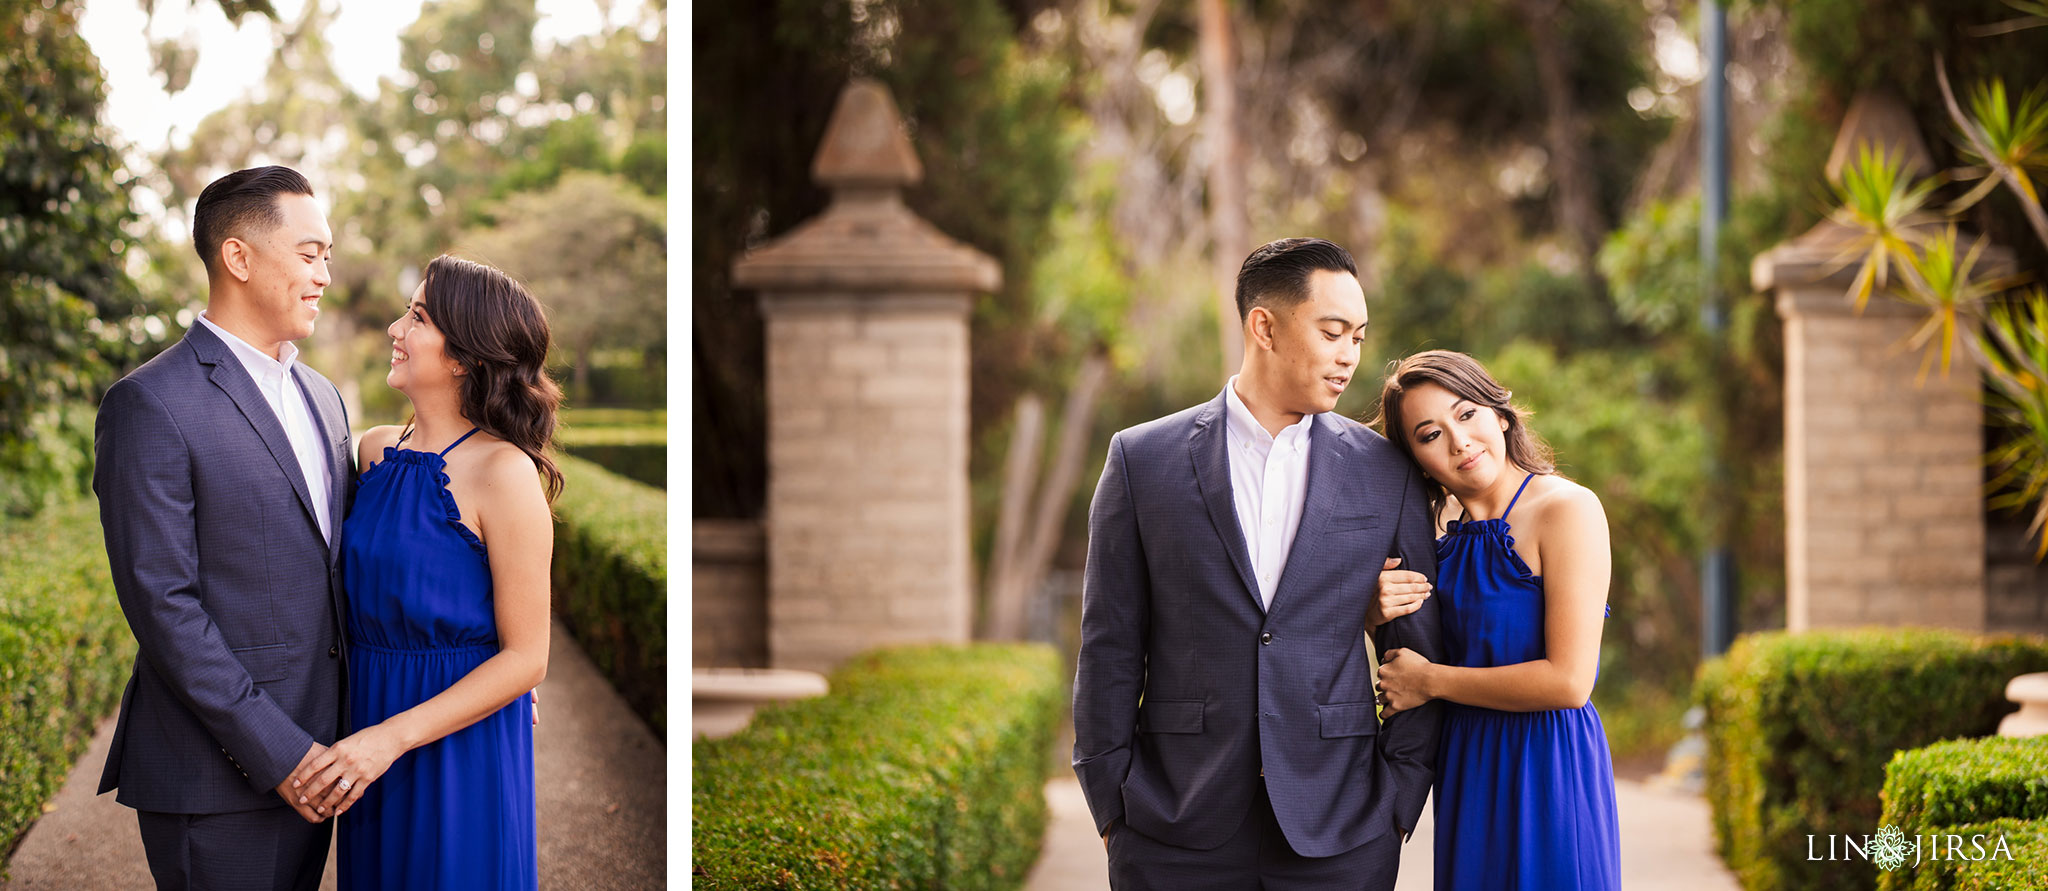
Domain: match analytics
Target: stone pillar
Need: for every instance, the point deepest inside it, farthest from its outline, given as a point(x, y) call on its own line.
point(866, 311)
point(1884, 510)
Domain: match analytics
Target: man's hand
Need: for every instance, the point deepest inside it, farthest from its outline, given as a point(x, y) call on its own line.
point(291, 795)
point(1106, 830)
point(1400, 592)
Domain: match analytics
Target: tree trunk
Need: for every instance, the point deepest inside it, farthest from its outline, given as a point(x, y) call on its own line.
point(1575, 192)
point(1228, 242)
point(1014, 578)
point(1005, 602)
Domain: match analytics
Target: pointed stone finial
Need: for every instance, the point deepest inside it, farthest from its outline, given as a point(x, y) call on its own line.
point(1879, 119)
point(865, 144)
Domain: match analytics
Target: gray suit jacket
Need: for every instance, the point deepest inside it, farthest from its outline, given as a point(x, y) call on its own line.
point(1171, 615)
point(234, 598)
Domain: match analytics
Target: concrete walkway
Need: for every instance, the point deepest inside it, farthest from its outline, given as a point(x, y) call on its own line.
point(1666, 844)
point(600, 776)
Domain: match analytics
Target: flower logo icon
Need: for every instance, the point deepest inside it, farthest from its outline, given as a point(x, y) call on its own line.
point(1888, 849)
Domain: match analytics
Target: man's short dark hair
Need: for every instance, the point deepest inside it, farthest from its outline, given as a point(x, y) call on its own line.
point(239, 204)
point(1278, 272)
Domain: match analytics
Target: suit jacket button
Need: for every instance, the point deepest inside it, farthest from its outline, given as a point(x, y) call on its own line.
point(334, 652)
point(1265, 637)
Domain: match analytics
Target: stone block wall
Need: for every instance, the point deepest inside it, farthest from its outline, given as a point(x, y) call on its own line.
point(1885, 517)
point(867, 463)
point(728, 594)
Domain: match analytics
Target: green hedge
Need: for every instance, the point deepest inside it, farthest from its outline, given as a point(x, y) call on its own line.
point(923, 768)
point(611, 581)
point(1989, 787)
point(65, 652)
point(1800, 727)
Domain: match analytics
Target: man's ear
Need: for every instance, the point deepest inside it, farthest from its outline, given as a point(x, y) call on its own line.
point(236, 258)
point(1260, 323)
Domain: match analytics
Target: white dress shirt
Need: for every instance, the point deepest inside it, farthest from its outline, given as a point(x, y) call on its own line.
point(1269, 482)
point(274, 379)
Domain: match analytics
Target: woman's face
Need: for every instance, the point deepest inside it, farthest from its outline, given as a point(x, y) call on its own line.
point(1459, 443)
point(418, 361)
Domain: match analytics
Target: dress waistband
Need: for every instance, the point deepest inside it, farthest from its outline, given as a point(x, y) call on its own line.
point(491, 648)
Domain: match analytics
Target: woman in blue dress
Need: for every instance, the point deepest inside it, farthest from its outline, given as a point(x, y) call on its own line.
point(1525, 784)
point(445, 559)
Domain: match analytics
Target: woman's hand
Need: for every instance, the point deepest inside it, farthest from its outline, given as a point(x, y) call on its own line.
point(332, 782)
point(1405, 681)
point(1401, 592)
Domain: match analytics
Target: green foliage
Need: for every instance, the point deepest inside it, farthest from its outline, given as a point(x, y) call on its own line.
point(1967, 781)
point(1800, 728)
point(1994, 787)
point(606, 285)
point(923, 768)
point(64, 241)
point(1887, 207)
point(65, 652)
point(2026, 841)
point(2019, 401)
point(611, 581)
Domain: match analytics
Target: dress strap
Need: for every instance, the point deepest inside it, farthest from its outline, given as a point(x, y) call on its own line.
point(402, 437)
point(1518, 496)
point(473, 430)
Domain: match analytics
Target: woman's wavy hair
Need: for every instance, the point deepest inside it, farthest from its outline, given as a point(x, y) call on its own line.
point(498, 333)
point(1468, 380)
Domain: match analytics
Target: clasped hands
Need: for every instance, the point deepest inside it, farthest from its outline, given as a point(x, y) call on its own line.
point(331, 779)
point(1405, 674)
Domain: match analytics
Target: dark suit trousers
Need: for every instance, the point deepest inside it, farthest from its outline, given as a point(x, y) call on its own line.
point(273, 848)
point(1256, 856)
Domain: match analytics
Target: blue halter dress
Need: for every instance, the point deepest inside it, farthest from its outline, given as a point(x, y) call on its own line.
point(456, 812)
point(1524, 800)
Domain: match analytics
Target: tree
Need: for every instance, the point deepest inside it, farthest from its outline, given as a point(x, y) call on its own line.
point(70, 316)
point(592, 248)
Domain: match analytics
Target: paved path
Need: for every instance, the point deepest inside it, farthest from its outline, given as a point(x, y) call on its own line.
point(1666, 844)
point(600, 777)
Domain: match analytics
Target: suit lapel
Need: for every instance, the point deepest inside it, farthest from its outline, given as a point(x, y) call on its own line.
point(1328, 447)
point(228, 374)
point(1210, 447)
point(326, 419)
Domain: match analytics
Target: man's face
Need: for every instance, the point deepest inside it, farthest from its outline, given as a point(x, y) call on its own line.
point(1316, 343)
point(288, 269)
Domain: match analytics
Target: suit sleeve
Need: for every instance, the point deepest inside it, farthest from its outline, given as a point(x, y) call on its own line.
point(1115, 608)
point(143, 476)
point(1408, 741)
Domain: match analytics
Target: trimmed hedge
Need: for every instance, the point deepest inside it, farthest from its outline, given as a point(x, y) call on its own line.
point(611, 581)
point(923, 768)
point(2025, 840)
point(65, 652)
point(1800, 727)
point(1989, 787)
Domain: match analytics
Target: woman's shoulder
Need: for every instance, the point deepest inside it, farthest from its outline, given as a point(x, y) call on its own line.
point(1555, 502)
point(371, 445)
point(502, 466)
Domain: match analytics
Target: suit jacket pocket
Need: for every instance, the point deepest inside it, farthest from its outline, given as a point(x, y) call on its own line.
point(1352, 524)
point(1347, 719)
point(266, 664)
point(1170, 716)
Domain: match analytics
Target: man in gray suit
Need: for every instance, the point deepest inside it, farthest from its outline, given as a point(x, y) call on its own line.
point(223, 473)
point(1224, 721)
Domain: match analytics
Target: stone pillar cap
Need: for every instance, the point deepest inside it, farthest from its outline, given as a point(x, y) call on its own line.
point(867, 240)
point(1879, 119)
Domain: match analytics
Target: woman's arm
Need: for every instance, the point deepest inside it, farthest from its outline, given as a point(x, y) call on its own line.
point(518, 529)
point(1573, 551)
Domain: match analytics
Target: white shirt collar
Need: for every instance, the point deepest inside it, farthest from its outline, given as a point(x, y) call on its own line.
point(259, 363)
point(1238, 417)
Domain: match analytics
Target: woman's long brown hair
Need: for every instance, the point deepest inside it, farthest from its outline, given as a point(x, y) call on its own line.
point(498, 332)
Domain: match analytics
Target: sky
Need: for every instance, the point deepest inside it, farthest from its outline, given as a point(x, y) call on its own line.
point(232, 60)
